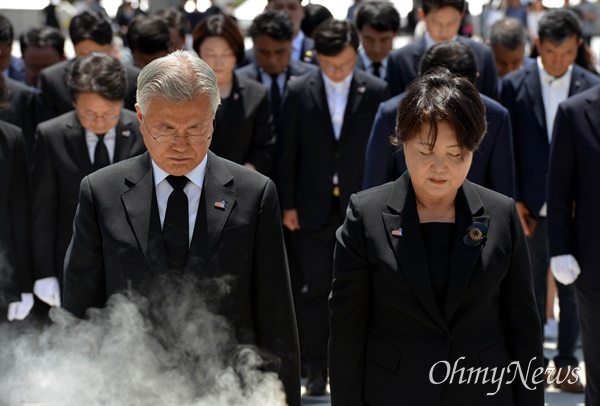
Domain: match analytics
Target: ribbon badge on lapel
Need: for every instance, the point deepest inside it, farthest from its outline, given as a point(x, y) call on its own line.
point(475, 234)
point(397, 233)
point(361, 89)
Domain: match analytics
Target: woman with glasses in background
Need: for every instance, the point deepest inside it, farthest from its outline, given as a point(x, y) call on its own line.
point(243, 125)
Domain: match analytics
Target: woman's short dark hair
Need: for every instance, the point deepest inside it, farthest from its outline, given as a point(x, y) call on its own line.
point(436, 97)
point(98, 73)
point(333, 36)
point(220, 25)
point(90, 25)
point(274, 23)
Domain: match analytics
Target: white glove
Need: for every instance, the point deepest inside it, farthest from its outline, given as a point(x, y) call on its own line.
point(565, 268)
point(20, 310)
point(48, 290)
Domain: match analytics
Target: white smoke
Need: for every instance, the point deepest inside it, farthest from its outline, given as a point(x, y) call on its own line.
point(164, 348)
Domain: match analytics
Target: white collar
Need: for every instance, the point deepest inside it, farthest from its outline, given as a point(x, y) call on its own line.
point(429, 42)
point(297, 41)
point(343, 85)
point(548, 79)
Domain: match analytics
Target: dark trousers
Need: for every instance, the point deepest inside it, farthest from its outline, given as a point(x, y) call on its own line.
point(568, 325)
point(588, 306)
point(314, 253)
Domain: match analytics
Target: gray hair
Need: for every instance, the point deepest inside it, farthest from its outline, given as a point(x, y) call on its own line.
point(508, 33)
point(177, 78)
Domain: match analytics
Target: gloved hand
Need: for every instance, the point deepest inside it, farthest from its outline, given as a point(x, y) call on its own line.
point(20, 310)
point(565, 268)
point(48, 290)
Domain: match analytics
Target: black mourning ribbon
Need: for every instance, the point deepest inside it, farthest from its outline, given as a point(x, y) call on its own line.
point(176, 225)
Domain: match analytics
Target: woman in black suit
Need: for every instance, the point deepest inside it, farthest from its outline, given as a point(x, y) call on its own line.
point(432, 299)
point(244, 126)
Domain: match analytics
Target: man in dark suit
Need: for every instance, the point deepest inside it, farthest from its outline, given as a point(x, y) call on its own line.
point(532, 95)
point(89, 32)
point(493, 161)
point(271, 33)
point(303, 47)
point(573, 218)
point(320, 159)
point(133, 223)
point(21, 110)
point(16, 281)
point(70, 147)
point(443, 18)
point(377, 23)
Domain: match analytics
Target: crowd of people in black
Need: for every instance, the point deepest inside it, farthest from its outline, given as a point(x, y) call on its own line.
point(427, 193)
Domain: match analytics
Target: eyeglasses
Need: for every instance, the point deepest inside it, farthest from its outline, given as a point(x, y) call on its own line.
point(330, 68)
point(171, 138)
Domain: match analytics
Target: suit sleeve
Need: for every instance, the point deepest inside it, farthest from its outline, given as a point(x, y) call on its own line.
point(379, 160)
point(19, 211)
point(488, 81)
point(286, 152)
point(561, 181)
point(44, 216)
point(519, 315)
point(502, 160)
point(263, 143)
point(393, 74)
point(84, 284)
point(47, 108)
point(273, 309)
point(349, 310)
point(508, 101)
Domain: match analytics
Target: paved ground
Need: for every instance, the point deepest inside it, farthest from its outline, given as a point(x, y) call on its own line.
point(554, 397)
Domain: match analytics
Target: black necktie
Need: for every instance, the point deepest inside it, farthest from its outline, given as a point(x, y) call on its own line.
point(101, 158)
point(275, 96)
point(176, 227)
point(375, 68)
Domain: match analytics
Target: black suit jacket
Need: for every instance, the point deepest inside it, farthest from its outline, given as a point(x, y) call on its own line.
point(113, 246)
point(244, 130)
point(295, 69)
point(522, 96)
point(21, 110)
point(308, 154)
point(574, 161)
point(61, 160)
point(387, 331)
point(403, 66)
point(54, 96)
point(493, 162)
point(307, 54)
point(15, 246)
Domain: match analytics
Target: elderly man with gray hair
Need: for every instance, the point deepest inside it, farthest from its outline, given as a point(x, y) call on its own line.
point(180, 210)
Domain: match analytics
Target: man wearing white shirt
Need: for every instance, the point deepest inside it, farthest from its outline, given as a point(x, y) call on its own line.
point(97, 133)
point(182, 213)
point(377, 23)
point(320, 159)
point(532, 96)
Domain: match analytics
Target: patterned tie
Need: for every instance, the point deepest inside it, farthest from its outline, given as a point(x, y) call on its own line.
point(176, 227)
point(101, 158)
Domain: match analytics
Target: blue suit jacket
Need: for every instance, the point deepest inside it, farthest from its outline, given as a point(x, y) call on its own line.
point(522, 96)
point(493, 162)
point(403, 66)
point(574, 160)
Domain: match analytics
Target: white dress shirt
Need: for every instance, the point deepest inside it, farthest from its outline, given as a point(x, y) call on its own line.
point(193, 190)
point(297, 46)
point(110, 139)
point(429, 42)
point(367, 63)
point(337, 99)
point(554, 91)
point(266, 80)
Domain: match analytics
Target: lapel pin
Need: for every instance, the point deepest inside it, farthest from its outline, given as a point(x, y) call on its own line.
point(236, 96)
point(475, 234)
point(397, 233)
point(126, 133)
point(361, 89)
point(577, 83)
point(221, 205)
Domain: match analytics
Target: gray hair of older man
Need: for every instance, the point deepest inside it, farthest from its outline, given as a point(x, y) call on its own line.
point(177, 78)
